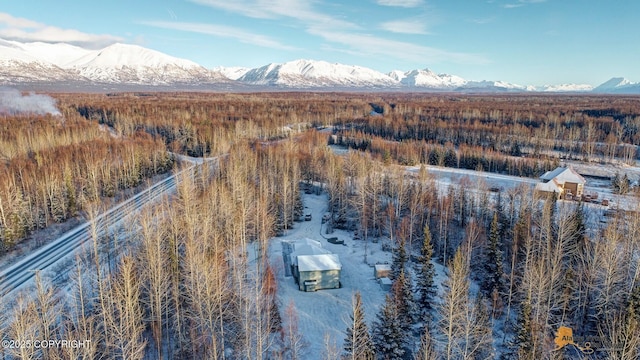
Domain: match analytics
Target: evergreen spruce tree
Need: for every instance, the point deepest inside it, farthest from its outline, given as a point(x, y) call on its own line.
point(625, 184)
point(634, 302)
point(580, 228)
point(403, 297)
point(462, 207)
point(493, 280)
point(615, 183)
point(522, 343)
point(504, 225)
point(399, 260)
point(620, 184)
point(389, 337)
point(358, 344)
point(425, 273)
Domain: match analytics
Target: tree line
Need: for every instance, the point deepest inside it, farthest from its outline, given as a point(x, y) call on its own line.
point(549, 127)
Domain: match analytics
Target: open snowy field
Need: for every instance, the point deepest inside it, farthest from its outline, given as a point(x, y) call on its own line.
point(481, 181)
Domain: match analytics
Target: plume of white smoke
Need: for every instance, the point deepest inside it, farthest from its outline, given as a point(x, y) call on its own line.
point(13, 102)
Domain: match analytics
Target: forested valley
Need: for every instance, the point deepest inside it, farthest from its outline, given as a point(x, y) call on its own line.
point(193, 280)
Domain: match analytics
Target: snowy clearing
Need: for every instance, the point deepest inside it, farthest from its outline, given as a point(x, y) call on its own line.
point(326, 311)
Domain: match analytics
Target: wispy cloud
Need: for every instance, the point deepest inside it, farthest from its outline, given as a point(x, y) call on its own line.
point(246, 8)
point(25, 30)
point(521, 3)
point(337, 32)
point(301, 10)
point(483, 21)
point(221, 31)
point(401, 3)
point(367, 45)
point(406, 26)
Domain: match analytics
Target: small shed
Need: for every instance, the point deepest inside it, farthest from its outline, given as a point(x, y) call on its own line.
point(381, 270)
point(385, 283)
point(316, 272)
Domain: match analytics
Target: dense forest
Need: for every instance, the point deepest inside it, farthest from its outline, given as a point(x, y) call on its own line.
point(517, 135)
point(194, 280)
point(50, 167)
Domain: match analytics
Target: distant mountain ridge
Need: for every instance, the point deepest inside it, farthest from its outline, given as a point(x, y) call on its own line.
point(115, 64)
point(311, 73)
point(618, 85)
point(121, 64)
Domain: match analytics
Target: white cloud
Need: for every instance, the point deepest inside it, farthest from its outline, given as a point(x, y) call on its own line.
point(246, 8)
point(367, 45)
point(221, 31)
point(301, 10)
point(401, 3)
point(336, 31)
point(406, 26)
point(483, 21)
point(521, 3)
point(25, 30)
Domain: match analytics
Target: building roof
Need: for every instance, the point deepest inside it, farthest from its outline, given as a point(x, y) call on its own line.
point(322, 262)
point(550, 186)
point(306, 241)
point(562, 175)
point(382, 267)
point(307, 249)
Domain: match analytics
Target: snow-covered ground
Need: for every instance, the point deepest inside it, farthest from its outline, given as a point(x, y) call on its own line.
point(327, 311)
point(481, 179)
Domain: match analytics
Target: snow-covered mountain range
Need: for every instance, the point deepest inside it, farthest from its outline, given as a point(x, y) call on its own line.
point(121, 65)
point(115, 64)
point(310, 73)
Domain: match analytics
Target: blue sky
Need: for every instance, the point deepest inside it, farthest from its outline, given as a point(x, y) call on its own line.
point(529, 42)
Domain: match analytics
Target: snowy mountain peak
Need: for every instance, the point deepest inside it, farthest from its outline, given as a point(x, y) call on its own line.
point(124, 55)
point(115, 64)
point(314, 73)
point(564, 88)
point(614, 83)
point(429, 79)
point(231, 72)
